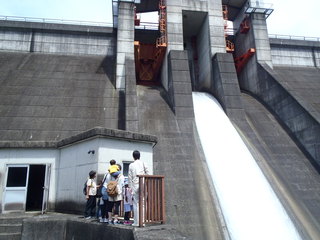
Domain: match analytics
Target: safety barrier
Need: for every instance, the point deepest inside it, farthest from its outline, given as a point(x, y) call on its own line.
point(290, 37)
point(151, 200)
point(58, 21)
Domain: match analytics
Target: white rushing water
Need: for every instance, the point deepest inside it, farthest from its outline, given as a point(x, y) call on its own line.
point(249, 205)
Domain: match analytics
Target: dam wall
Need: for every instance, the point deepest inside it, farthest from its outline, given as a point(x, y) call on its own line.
point(297, 115)
point(53, 38)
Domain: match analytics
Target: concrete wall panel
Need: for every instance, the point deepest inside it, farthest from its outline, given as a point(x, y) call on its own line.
point(54, 39)
point(15, 40)
point(289, 52)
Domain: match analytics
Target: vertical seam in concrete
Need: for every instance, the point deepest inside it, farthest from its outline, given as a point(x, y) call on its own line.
point(31, 48)
point(314, 57)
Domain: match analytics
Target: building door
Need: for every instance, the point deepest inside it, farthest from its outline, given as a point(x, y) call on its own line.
point(35, 187)
point(16, 188)
point(46, 189)
point(25, 188)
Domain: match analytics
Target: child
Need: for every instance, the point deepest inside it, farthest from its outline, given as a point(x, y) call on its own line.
point(127, 202)
point(114, 169)
point(100, 201)
point(91, 196)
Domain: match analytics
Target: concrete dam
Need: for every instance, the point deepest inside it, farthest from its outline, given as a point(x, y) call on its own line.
point(58, 81)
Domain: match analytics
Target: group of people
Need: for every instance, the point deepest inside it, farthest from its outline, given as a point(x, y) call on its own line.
point(114, 189)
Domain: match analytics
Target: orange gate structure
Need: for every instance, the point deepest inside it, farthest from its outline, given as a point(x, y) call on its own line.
point(229, 44)
point(149, 57)
point(151, 200)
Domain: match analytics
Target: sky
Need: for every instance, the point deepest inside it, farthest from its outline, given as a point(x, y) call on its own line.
point(290, 17)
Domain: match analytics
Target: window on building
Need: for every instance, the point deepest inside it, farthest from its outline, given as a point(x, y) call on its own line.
point(125, 168)
point(17, 176)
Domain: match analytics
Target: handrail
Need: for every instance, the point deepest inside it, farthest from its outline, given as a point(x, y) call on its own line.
point(148, 26)
point(151, 199)
point(291, 37)
point(52, 20)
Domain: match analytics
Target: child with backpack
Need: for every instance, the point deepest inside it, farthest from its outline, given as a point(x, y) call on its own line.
point(90, 192)
point(127, 202)
point(114, 187)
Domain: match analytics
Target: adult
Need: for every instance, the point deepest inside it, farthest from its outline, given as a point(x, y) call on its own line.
point(136, 168)
point(114, 202)
point(91, 192)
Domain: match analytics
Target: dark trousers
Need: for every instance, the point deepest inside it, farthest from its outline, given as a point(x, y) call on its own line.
point(116, 206)
point(90, 207)
point(104, 209)
point(127, 216)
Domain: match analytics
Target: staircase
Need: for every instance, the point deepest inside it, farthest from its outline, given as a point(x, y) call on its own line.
point(11, 225)
point(10, 228)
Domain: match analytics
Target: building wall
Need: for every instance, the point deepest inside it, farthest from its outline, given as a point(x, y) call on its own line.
point(16, 156)
point(75, 163)
point(70, 166)
point(121, 151)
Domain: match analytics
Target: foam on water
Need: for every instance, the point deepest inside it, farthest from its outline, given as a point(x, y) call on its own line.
point(249, 205)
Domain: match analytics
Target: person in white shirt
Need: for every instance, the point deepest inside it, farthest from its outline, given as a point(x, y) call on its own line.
point(91, 196)
point(136, 168)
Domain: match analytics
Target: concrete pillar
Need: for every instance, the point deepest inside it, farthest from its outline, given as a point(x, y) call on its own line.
point(174, 25)
point(261, 38)
point(216, 27)
point(256, 37)
point(125, 40)
point(211, 34)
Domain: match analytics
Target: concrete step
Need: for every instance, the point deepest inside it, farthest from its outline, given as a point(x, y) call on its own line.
point(10, 236)
point(10, 220)
point(10, 228)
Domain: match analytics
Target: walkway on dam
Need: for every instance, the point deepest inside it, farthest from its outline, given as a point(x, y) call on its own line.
point(53, 226)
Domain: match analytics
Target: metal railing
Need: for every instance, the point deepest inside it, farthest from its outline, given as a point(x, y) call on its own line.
point(290, 37)
point(151, 200)
point(148, 26)
point(51, 20)
point(259, 7)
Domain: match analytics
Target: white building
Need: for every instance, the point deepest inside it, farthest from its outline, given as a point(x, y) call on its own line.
point(40, 176)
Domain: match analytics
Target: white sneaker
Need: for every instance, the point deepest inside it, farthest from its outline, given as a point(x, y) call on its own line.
point(105, 220)
point(135, 225)
point(88, 217)
point(101, 220)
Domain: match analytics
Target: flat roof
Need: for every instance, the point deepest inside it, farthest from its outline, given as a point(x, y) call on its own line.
point(97, 132)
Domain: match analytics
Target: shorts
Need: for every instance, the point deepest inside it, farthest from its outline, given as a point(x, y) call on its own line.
point(116, 206)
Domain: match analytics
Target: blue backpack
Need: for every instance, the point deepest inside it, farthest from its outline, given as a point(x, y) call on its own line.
point(104, 192)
